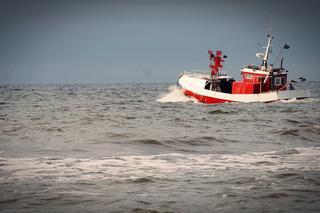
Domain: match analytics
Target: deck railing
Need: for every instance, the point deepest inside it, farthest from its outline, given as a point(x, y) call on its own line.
point(196, 73)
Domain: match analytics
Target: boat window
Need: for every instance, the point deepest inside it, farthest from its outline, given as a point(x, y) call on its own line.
point(248, 76)
point(207, 85)
point(283, 80)
point(277, 81)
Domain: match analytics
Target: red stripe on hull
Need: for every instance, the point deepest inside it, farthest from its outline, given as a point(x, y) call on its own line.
point(205, 99)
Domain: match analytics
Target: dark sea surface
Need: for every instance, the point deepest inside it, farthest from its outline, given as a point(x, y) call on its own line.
point(148, 148)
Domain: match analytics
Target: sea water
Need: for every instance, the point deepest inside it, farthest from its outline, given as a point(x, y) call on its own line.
point(149, 148)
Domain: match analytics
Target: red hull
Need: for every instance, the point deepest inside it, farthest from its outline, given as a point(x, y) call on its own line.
point(205, 99)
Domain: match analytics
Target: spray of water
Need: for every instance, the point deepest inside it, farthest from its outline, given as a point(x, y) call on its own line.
point(175, 94)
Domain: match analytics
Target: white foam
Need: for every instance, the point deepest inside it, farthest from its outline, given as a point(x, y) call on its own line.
point(171, 165)
point(175, 94)
point(294, 100)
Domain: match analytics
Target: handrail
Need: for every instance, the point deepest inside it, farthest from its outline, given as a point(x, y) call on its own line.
point(202, 75)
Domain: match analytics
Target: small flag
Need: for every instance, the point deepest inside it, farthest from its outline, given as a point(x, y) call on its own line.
point(286, 46)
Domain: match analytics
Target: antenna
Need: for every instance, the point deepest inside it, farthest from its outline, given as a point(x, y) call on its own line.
point(270, 28)
point(268, 48)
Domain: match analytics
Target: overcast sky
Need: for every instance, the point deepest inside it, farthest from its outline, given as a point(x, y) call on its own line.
point(149, 41)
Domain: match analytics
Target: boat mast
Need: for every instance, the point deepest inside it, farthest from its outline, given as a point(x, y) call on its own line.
point(266, 54)
point(215, 64)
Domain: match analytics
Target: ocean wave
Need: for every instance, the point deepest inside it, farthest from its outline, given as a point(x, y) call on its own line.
point(141, 168)
point(198, 141)
point(146, 142)
point(289, 132)
point(179, 142)
point(140, 180)
point(306, 132)
point(219, 111)
point(305, 100)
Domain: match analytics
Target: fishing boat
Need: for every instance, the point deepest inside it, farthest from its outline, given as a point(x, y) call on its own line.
point(262, 83)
